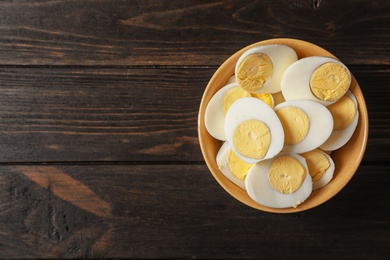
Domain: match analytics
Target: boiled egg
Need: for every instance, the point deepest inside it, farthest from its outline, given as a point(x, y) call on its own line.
point(253, 130)
point(345, 116)
point(321, 167)
point(217, 107)
point(318, 78)
point(260, 69)
point(281, 182)
point(306, 125)
point(232, 166)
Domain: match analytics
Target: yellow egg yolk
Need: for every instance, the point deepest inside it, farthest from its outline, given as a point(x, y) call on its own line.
point(252, 139)
point(266, 98)
point(254, 71)
point(286, 174)
point(232, 95)
point(330, 81)
point(317, 163)
point(295, 124)
point(237, 166)
point(343, 112)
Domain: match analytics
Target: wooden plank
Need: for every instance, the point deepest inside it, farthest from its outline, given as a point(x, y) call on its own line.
point(102, 114)
point(184, 32)
point(139, 211)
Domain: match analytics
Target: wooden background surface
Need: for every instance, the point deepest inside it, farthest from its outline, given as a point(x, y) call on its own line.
point(98, 130)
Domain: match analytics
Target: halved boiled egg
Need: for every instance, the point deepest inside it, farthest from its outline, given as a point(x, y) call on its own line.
point(321, 167)
point(345, 116)
point(306, 124)
point(318, 78)
point(253, 130)
point(281, 182)
point(232, 166)
point(217, 107)
point(260, 69)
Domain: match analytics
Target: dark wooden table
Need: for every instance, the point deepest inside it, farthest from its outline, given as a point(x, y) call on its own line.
point(98, 130)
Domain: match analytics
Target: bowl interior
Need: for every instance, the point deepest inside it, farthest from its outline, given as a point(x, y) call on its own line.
point(347, 159)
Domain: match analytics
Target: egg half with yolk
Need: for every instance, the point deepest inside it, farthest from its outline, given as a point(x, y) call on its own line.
point(318, 78)
point(306, 124)
point(345, 116)
point(253, 130)
point(281, 182)
point(321, 167)
point(217, 107)
point(232, 166)
point(260, 69)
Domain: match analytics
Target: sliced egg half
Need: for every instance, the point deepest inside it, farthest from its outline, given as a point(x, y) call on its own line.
point(232, 166)
point(260, 69)
point(318, 78)
point(346, 116)
point(321, 167)
point(281, 182)
point(253, 130)
point(306, 124)
point(217, 107)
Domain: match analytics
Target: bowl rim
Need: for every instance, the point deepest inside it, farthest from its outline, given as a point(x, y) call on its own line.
point(361, 132)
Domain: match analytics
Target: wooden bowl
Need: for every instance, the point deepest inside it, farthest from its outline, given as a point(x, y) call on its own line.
point(347, 158)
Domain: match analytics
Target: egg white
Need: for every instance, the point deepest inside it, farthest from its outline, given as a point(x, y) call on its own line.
point(224, 168)
point(339, 138)
point(252, 108)
point(214, 117)
point(320, 125)
point(295, 83)
point(282, 56)
point(259, 188)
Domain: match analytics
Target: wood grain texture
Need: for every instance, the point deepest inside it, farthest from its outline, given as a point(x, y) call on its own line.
point(164, 211)
point(188, 32)
point(130, 114)
point(107, 114)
